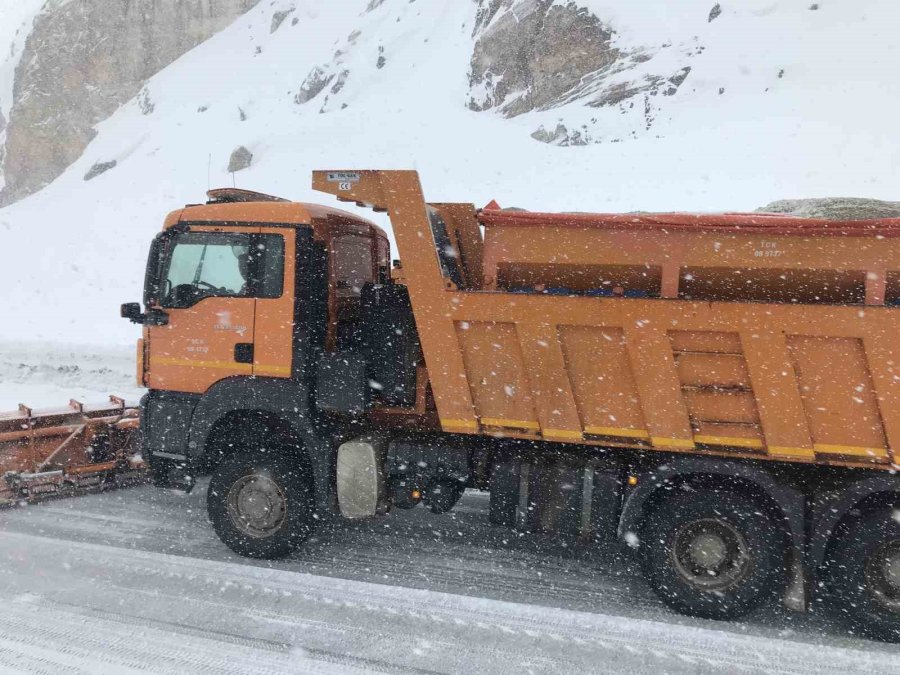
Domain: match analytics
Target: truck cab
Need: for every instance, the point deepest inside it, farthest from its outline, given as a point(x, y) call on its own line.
point(246, 297)
point(225, 279)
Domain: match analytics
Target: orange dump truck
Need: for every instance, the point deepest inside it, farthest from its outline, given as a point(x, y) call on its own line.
point(720, 391)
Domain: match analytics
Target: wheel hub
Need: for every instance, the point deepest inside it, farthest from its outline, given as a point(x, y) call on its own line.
point(711, 554)
point(892, 570)
point(256, 505)
point(708, 550)
point(883, 575)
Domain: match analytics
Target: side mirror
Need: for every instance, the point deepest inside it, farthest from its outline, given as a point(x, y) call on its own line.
point(132, 312)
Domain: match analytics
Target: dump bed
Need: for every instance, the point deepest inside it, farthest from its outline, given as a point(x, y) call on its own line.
point(738, 334)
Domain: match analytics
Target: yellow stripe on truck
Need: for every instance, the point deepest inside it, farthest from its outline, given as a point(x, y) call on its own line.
point(223, 365)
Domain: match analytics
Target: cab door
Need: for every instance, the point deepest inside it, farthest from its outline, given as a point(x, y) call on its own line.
point(206, 291)
point(275, 329)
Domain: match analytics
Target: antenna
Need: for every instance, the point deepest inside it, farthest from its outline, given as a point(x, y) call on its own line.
point(233, 181)
point(208, 172)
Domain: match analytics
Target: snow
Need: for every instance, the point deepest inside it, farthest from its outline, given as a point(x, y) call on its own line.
point(72, 253)
point(474, 598)
point(42, 375)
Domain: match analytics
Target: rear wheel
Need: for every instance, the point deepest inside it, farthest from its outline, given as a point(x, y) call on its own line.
point(863, 574)
point(713, 554)
point(261, 505)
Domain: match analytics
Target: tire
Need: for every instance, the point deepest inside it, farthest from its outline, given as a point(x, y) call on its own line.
point(713, 553)
point(260, 504)
point(863, 575)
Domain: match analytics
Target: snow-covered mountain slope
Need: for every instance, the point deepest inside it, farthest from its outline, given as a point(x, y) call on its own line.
point(781, 100)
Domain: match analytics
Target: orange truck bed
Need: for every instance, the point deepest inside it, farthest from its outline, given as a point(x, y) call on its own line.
point(746, 335)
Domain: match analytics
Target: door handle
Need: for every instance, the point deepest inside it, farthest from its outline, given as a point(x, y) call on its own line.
point(243, 352)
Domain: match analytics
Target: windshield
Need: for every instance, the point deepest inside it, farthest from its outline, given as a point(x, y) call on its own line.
point(196, 265)
point(209, 262)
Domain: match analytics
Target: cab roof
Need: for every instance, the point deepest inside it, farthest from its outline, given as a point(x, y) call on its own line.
point(231, 206)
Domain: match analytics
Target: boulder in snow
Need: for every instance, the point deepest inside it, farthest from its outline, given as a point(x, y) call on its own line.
point(98, 168)
point(240, 159)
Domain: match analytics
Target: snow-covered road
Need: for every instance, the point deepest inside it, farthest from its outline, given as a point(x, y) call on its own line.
point(135, 580)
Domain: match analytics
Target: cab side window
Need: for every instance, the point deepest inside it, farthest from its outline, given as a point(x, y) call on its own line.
point(352, 267)
point(352, 264)
point(218, 264)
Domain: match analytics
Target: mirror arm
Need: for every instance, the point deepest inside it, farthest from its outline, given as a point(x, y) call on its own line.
point(155, 317)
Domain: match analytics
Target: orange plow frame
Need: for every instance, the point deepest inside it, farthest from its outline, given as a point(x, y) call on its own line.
point(63, 451)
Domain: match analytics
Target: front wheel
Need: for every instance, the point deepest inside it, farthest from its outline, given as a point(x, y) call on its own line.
point(863, 574)
point(712, 553)
point(261, 506)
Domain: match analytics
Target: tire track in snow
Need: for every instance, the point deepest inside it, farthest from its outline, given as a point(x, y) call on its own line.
point(493, 632)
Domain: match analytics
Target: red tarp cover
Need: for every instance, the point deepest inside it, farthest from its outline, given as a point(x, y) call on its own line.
point(752, 223)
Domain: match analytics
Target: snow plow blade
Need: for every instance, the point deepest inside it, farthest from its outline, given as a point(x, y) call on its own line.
point(65, 451)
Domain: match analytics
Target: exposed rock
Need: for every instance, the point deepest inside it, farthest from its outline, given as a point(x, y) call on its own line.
point(144, 103)
point(835, 208)
point(654, 84)
point(381, 59)
point(561, 136)
point(532, 55)
point(537, 55)
point(240, 159)
point(98, 168)
point(715, 12)
point(2, 145)
point(544, 136)
point(313, 85)
point(81, 61)
point(279, 17)
point(487, 10)
point(336, 88)
point(373, 4)
point(676, 80)
point(341, 82)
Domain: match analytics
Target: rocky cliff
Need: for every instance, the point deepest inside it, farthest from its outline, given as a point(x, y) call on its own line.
point(82, 60)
